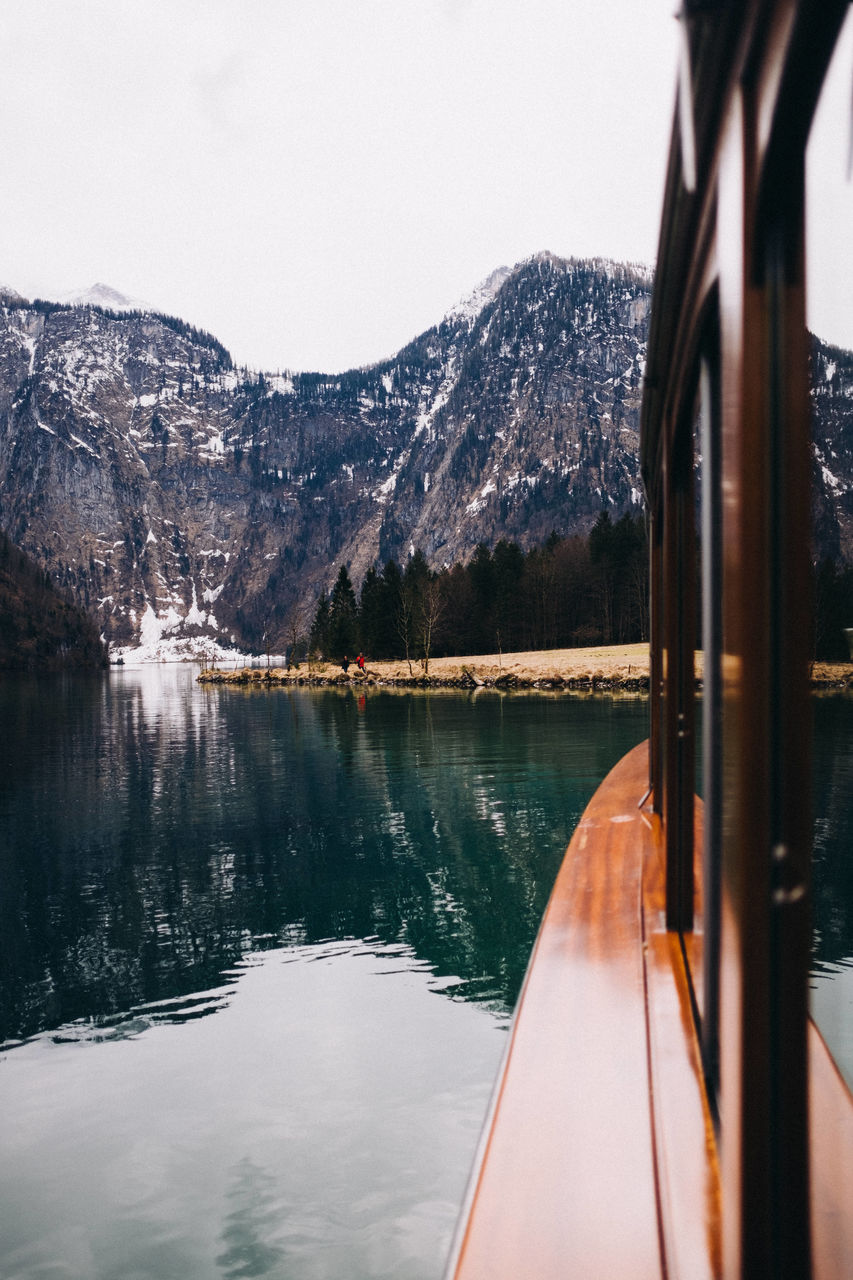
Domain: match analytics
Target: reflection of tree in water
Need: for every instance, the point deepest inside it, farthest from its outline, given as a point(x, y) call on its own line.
point(253, 1218)
point(147, 851)
point(832, 879)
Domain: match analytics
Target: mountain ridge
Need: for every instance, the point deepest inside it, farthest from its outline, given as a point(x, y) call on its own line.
point(171, 492)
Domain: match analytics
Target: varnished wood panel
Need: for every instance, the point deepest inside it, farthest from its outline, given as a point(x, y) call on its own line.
point(568, 1185)
point(687, 1167)
point(757, 70)
point(831, 1150)
point(600, 1157)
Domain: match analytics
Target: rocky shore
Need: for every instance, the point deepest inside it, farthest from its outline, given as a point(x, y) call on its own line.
point(623, 667)
point(615, 667)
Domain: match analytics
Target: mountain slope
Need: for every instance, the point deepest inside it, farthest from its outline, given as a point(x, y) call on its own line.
point(39, 628)
point(170, 491)
point(832, 399)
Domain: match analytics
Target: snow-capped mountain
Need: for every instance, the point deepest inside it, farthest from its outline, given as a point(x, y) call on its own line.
point(103, 295)
point(469, 307)
point(173, 492)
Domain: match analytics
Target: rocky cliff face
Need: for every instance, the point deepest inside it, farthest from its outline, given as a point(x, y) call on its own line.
point(170, 491)
point(832, 398)
point(114, 472)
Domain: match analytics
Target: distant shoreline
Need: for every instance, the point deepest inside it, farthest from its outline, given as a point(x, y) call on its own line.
point(611, 667)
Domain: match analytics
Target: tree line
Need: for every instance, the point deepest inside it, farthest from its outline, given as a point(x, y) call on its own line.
point(572, 591)
point(833, 610)
point(41, 629)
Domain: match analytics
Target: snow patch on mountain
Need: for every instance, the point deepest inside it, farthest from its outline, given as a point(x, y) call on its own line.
point(202, 649)
point(469, 307)
point(163, 638)
point(103, 295)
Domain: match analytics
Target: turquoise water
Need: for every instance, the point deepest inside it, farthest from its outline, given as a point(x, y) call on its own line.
point(258, 952)
point(832, 876)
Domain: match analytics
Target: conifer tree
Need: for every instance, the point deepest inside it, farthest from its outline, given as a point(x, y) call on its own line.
point(371, 615)
point(343, 617)
point(319, 638)
point(507, 569)
point(482, 575)
point(601, 551)
point(392, 588)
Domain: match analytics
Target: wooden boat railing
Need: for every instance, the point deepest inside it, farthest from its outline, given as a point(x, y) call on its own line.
point(666, 1107)
point(601, 1117)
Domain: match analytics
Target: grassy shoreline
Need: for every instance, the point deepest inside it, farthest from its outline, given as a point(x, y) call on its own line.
point(617, 666)
point(606, 667)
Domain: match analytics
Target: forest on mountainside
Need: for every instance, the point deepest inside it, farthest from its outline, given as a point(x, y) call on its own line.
point(572, 591)
point(40, 628)
point(833, 610)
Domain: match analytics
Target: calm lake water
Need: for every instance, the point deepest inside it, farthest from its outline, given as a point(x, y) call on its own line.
point(832, 879)
point(260, 950)
point(258, 953)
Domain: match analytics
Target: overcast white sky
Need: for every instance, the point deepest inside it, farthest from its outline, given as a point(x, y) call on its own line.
point(829, 201)
point(317, 181)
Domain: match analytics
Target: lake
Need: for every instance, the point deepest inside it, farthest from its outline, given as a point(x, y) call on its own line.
point(261, 950)
point(258, 955)
point(832, 877)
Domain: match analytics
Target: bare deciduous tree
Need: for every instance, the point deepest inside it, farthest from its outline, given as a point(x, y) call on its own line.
point(404, 622)
point(432, 609)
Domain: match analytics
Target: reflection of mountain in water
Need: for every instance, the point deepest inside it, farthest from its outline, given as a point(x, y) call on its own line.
point(153, 833)
point(832, 880)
